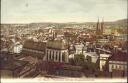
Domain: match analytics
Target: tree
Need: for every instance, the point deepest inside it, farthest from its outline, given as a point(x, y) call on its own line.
point(89, 68)
point(79, 59)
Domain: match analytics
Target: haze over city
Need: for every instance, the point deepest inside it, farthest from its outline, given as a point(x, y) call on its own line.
point(28, 11)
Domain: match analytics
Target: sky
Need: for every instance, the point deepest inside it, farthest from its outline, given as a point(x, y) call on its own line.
point(28, 11)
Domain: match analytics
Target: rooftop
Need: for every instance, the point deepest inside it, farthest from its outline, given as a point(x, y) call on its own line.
point(9, 63)
point(57, 44)
point(40, 46)
point(118, 56)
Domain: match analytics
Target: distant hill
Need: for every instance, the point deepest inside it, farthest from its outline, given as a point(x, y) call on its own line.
point(122, 21)
point(118, 23)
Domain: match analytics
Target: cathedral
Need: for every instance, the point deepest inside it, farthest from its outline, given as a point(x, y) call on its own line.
point(99, 28)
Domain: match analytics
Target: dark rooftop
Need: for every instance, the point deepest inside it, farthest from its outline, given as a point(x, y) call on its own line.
point(118, 56)
point(8, 62)
point(57, 44)
point(29, 44)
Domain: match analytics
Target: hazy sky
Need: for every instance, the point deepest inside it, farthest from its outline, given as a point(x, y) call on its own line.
point(26, 11)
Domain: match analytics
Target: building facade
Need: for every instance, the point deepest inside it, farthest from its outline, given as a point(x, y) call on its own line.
point(103, 60)
point(18, 48)
point(100, 28)
point(56, 51)
point(34, 49)
point(118, 64)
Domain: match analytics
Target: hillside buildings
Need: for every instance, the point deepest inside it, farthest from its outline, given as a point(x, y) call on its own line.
point(48, 49)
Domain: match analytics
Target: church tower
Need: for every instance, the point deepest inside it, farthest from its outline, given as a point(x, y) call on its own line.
point(98, 28)
point(102, 26)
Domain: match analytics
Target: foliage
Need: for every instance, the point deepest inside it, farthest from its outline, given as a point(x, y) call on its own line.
point(79, 59)
point(89, 68)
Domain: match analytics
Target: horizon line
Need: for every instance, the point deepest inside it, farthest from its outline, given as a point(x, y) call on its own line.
point(62, 22)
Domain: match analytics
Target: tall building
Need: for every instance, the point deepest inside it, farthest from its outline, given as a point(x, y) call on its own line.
point(100, 27)
point(56, 51)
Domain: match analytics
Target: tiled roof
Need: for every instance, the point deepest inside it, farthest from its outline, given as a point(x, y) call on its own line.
point(30, 59)
point(29, 44)
point(56, 65)
point(118, 56)
point(7, 62)
point(56, 44)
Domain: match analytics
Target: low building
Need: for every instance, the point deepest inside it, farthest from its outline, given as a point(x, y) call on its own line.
point(35, 49)
point(18, 47)
point(103, 51)
point(72, 49)
point(118, 64)
point(69, 70)
point(103, 41)
point(107, 31)
point(11, 68)
point(31, 69)
point(61, 69)
point(103, 61)
point(122, 37)
point(79, 48)
point(93, 55)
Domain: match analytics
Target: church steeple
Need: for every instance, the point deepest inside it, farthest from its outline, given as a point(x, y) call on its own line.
point(98, 27)
point(102, 26)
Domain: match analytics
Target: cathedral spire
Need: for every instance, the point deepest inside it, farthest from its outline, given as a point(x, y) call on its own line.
point(102, 26)
point(97, 27)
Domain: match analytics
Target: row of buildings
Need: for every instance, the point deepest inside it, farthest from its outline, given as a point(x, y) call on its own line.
point(52, 58)
point(50, 52)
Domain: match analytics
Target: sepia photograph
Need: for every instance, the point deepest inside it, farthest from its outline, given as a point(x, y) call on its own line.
point(72, 41)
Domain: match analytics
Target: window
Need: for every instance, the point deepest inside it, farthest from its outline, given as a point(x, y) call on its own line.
point(53, 55)
point(56, 55)
point(116, 67)
point(47, 57)
point(50, 55)
point(112, 66)
point(63, 57)
point(47, 54)
point(59, 56)
point(119, 66)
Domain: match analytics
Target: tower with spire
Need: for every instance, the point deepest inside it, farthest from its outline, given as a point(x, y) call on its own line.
point(100, 27)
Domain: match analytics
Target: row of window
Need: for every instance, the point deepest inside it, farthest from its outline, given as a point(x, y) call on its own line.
point(118, 66)
point(31, 50)
point(54, 55)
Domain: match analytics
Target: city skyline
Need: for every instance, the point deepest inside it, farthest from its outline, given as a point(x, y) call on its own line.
point(28, 11)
